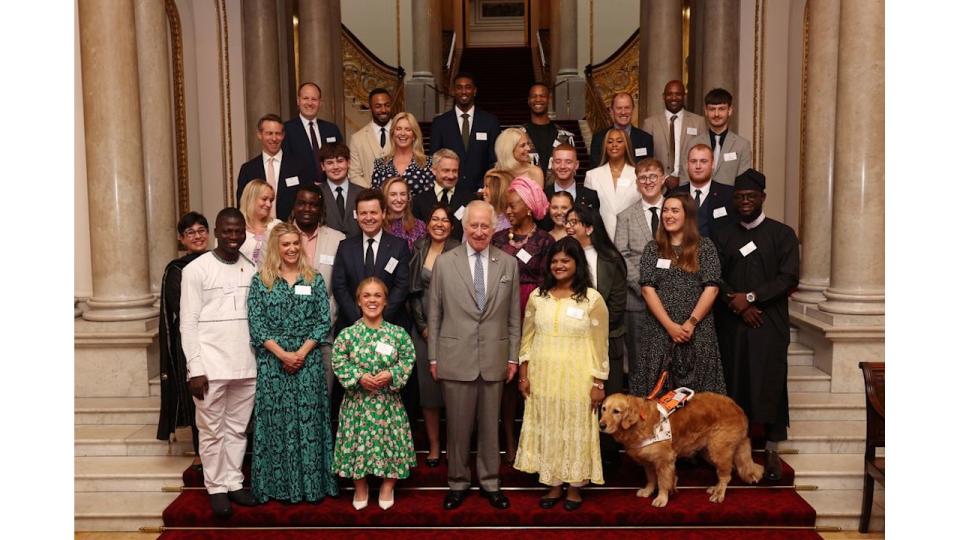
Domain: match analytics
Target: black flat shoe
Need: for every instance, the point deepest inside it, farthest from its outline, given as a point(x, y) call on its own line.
point(549, 502)
point(773, 470)
point(570, 506)
point(454, 498)
point(242, 497)
point(432, 462)
point(497, 499)
point(220, 503)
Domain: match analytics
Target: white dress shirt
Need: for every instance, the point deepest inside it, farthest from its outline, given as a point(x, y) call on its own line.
point(460, 114)
point(649, 215)
point(275, 179)
point(571, 189)
point(376, 244)
point(677, 137)
point(316, 127)
point(375, 127)
point(591, 253)
point(704, 190)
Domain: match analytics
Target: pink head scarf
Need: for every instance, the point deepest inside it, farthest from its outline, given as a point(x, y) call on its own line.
point(532, 195)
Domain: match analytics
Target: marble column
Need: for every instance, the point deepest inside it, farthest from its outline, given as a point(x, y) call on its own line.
point(111, 111)
point(421, 100)
point(261, 61)
point(857, 260)
point(156, 117)
point(321, 55)
point(823, 37)
point(664, 49)
point(721, 38)
point(570, 92)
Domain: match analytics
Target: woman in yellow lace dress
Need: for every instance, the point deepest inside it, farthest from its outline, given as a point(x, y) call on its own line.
point(563, 363)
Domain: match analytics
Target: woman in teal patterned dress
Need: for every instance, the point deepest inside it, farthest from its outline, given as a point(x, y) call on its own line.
point(373, 360)
point(289, 314)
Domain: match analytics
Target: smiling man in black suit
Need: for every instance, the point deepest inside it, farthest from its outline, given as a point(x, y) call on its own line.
point(306, 134)
point(282, 171)
point(714, 199)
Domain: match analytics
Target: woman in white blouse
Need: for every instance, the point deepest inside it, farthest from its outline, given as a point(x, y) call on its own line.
point(614, 180)
point(255, 203)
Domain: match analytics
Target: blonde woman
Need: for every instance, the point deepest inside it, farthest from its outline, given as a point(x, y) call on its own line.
point(513, 148)
point(289, 314)
point(255, 203)
point(400, 221)
point(406, 157)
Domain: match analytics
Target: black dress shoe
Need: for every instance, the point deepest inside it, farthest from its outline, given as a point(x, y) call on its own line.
point(454, 499)
point(549, 502)
point(220, 503)
point(570, 506)
point(432, 462)
point(773, 470)
point(497, 499)
point(242, 497)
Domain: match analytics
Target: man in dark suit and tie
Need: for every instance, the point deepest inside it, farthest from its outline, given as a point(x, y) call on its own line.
point(446, 171)
point(565, 165)
point(283, 172)
point(307, 134)
point(467, 131)
point(714, 199)
point(339, 194)
point(621, 111)
point(373, 252)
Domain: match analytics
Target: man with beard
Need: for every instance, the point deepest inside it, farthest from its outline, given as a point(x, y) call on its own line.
point(544, 134)
point(672, 130)
point(446, 191)
point(372, 141)
point(760, 258)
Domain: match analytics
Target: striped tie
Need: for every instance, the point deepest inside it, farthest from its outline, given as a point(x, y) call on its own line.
point(478, 288)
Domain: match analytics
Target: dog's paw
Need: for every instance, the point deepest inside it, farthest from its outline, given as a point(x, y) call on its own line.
point(645, 492)
point(660, 501)
point(754, 474)
point(717, 493)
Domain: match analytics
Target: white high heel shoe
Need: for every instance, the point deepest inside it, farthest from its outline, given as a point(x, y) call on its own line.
point(385, 504)
point(360, 505)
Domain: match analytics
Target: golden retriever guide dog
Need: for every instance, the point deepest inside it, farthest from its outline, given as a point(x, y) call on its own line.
point(708, 421)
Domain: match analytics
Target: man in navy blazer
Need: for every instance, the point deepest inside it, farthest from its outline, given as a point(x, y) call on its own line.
point(476, 148)
point(281, 170)
point(306, 134)
point(621, 112)
point(446, 172)
point(563, 173)
point(716, 199)
point(376, 253)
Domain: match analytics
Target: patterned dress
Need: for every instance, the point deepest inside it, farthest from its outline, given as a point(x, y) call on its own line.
point(679, 292)
point(374, 434)
point(565, 346)
point(419, 230)
point(293, 450)
point(532, 272)
point(419, 178)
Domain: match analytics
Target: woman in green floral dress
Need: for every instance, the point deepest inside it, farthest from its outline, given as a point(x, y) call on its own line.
point(373, 360)
point(289, 314)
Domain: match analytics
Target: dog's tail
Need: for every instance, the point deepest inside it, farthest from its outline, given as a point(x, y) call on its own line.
point(747, 470)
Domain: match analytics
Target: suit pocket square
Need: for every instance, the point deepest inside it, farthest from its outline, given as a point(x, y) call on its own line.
point(505, 279)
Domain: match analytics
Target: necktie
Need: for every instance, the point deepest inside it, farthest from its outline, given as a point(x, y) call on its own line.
point(465, 130)
point(369, 259)
point(654, 220)
point(445, 198)
point(316, 146)
point(671, 148)
point(272, 180)
point(383, 137)
point(340, 204)
point(697, 198)
point(479, 291)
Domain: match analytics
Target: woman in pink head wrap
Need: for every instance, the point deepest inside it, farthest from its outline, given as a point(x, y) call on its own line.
point(526, 204)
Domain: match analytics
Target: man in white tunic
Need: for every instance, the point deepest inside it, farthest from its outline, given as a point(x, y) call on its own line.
point(221, 366)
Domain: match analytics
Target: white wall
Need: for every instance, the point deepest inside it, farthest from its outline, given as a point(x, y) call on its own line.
point(374, 22)
point(618, 19)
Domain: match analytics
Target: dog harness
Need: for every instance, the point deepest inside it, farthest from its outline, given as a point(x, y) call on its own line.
point(667, 405)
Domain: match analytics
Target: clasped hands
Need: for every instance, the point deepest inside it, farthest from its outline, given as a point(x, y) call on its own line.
point(751, 314)
point(292, 360)
point(372, 383)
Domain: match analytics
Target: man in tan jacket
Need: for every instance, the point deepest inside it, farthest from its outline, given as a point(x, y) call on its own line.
point(372, 141)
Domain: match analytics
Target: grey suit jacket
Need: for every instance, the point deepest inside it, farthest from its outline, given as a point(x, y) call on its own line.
point(364, 149)
point(656, 125)
point(633, 234)
point(348, 223)
point(464, 342)
point(735, 157)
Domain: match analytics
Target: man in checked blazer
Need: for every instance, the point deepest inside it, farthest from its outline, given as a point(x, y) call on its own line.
point(686, 125)
point(473, 342)
point(732, 154)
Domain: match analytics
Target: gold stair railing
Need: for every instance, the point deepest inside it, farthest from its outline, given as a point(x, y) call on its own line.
point(363, 71)
point(620, 72)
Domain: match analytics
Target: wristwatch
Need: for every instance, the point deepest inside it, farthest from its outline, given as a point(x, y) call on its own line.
point(751, 297)
point(598, 385)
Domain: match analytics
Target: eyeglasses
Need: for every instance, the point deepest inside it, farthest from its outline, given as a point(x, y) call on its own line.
point(193, 233)
point(572, 222)
point(648, 178)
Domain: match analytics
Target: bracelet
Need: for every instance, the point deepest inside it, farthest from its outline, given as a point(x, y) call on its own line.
point(694, 320)
point(524, 380)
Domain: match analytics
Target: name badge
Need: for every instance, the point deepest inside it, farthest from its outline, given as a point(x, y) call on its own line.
point(326, 259)
point(481, 135)
point(384, 348)
point(459, 213)
point(719, 212)
point(663, 263)
point(730, 156)
point(691, 131)
point(302, 290)
point(748, 249)
point(229, 290)
point(575, 313)
point(640, 152)
point(524, 256)
point(391, 265)
point(293, 181)
point(331, 139)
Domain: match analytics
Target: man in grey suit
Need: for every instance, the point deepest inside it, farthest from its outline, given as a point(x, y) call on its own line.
point(473, 342)
point(338, 192)
point(672, 129)
point(732, 155)
point(636, 227)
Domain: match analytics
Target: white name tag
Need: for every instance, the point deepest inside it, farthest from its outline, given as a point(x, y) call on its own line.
point(719, 212)
point(229, 290)
point(524, 256)
point(730, 156)
point(331, 139)
point(748, 249)
point(391, 265)
point(640, 152)
point(384, 348)
point(292, 181)
point(663, 263)
point(326, 259)
point(303, 290)
point(481, 135)
point(575, 313)
point(691, 131)
point(459, 213)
